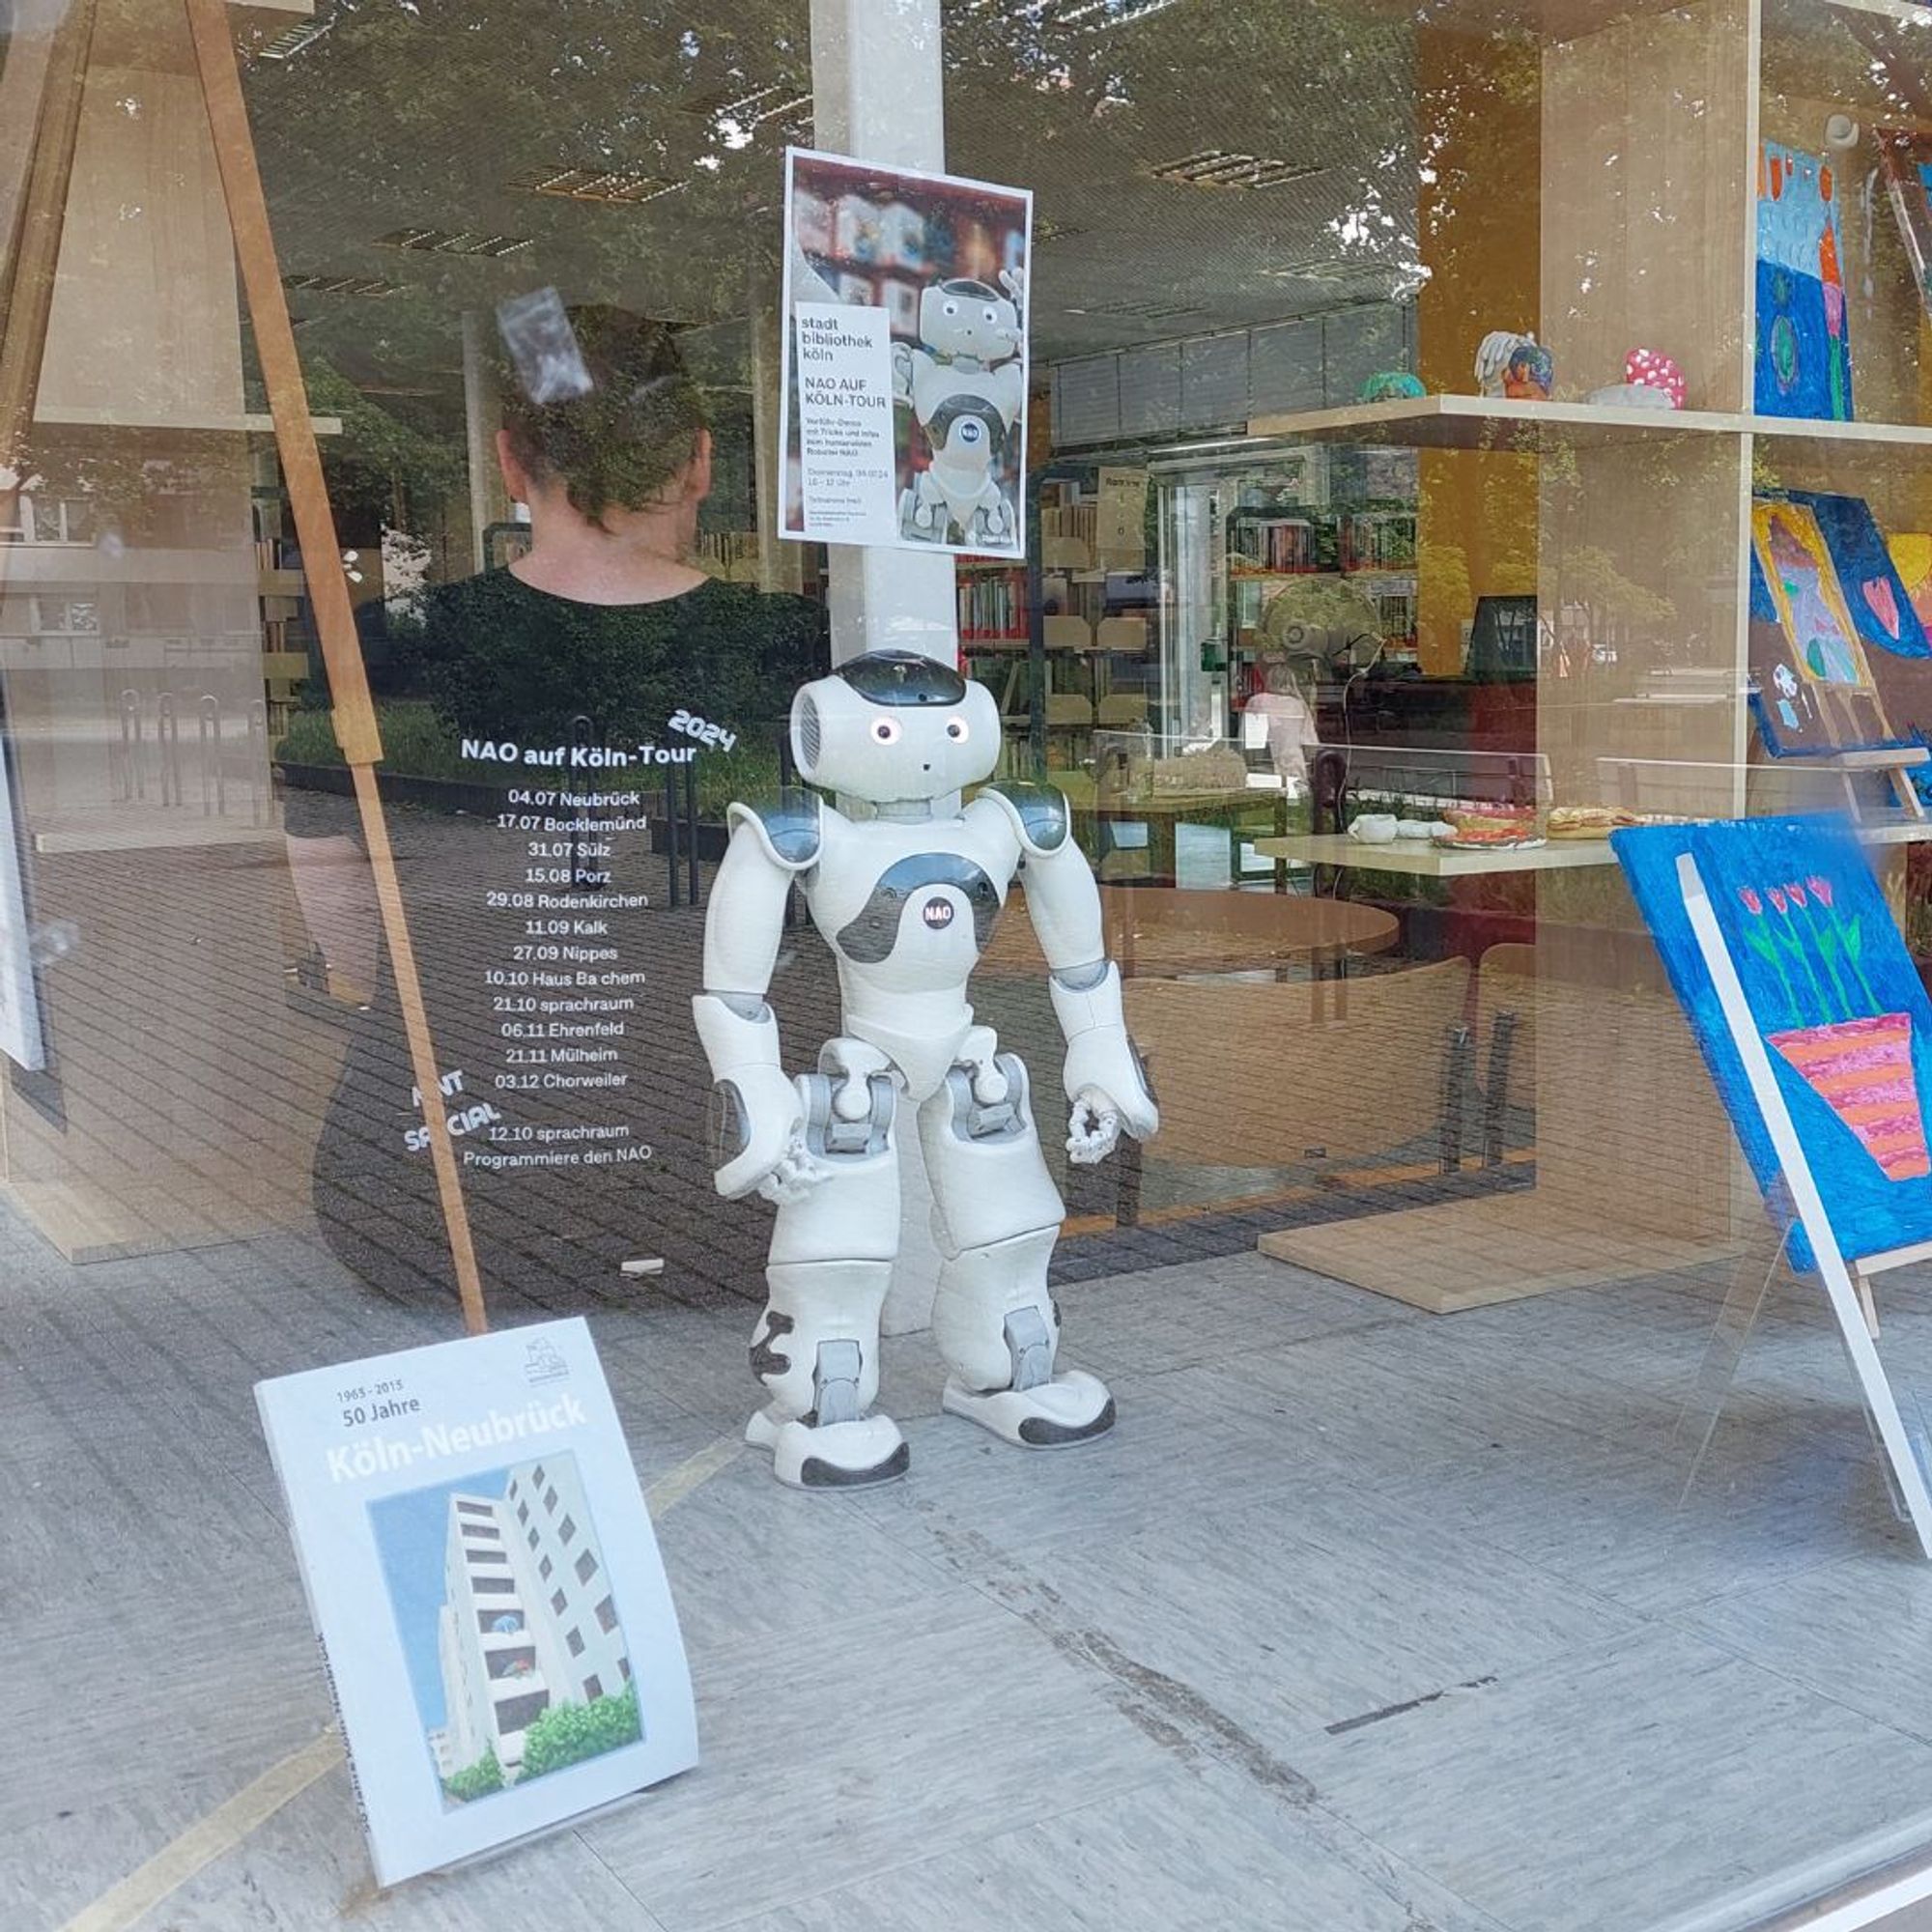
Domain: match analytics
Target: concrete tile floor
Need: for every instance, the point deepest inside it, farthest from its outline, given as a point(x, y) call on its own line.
point(1362, 1622)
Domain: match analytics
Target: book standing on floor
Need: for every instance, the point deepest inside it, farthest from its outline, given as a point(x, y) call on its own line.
point(493, 1615)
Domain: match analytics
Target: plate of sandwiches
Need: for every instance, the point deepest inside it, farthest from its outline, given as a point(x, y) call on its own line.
point(1578, 822)
point(1490, 829)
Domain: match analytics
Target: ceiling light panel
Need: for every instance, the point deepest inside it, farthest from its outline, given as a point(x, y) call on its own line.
point(1220, 168)
point(285, 46)
point(447, 242)
point(630, 188)
point(340, 285)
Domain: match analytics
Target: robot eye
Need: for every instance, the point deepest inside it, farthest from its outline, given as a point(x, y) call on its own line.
point(887, 730)
point(988, 315)
point(949, 308)
point(955, 729)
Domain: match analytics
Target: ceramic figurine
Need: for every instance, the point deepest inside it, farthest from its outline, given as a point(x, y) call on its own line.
point(1517, 366)
point(1652, 380)
point(1391, 386)
point(1652, 369)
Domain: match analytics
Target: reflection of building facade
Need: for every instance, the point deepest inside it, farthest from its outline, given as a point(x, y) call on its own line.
point(527, 1618)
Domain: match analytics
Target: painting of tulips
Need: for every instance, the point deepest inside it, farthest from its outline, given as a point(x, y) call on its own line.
point(1835, 996)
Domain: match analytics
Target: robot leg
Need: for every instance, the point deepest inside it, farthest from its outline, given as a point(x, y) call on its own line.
point(997, 1217)
point(816, 1346)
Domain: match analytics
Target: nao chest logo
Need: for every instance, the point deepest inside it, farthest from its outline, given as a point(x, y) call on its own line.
point(937, 913)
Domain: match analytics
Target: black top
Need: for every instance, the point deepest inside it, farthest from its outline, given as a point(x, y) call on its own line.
point(560, 1013)
point(501, 659)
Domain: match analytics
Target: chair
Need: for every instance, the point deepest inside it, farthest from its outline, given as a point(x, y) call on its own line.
point(1505, 1038)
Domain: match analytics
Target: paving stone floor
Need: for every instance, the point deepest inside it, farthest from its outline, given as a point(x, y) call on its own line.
point(1362, 1621)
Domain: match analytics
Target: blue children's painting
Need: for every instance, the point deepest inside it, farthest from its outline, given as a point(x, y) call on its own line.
point(1840, 1007)
point(1827, 611)
point(1803, 332)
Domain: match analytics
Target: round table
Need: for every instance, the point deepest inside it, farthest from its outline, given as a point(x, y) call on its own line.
point(1161, 933)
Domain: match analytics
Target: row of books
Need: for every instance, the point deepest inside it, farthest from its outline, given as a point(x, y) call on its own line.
point(1286, 545)
point(993, 605)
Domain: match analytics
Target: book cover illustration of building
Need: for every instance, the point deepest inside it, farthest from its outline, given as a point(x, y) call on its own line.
point(509, 1623)
point(494, 1620)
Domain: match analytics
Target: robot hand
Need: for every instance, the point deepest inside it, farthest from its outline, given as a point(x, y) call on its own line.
point(1102, 1077)
point(901, 372)
point(1103, 1080)
point(1093, 1129)
point(1014, 281)
point(768, 1124)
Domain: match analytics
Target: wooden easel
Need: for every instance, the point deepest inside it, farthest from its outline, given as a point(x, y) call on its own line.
point(1846, 1282)
point(41, 95)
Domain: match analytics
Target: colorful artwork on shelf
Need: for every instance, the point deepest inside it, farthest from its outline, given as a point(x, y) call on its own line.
point(1823, 588)
point(1881, 607)
point(1912, 558)
point(1804, 364)
point(1907, 154)
point(1832, 993)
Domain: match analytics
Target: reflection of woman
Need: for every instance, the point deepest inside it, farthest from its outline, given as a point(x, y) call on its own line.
point(605, 617)
point(1289, 724)
point(579, 1154)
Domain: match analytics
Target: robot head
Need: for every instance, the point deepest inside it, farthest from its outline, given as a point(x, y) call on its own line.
point(892, 726)
point(967, 318)
point(968, 432)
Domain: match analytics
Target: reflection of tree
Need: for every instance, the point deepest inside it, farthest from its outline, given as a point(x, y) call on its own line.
point(383, 461)
point(1613, 605)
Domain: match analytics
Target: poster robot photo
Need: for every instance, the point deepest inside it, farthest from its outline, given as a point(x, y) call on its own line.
point(905, 891)
point(965, 383)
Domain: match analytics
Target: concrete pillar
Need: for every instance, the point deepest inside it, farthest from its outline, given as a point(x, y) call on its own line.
point(879, 95)
point(480, 421)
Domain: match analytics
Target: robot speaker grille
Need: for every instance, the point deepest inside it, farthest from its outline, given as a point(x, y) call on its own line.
point(808, 734)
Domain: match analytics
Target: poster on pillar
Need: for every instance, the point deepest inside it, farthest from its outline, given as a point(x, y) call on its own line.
point(903, 419)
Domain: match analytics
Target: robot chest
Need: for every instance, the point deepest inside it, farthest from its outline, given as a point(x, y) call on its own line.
point(930, 912)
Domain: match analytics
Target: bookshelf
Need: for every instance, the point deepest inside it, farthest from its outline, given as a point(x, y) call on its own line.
point(1595, 180)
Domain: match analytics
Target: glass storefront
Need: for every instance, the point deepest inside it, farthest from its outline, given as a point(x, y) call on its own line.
point(1409, 445)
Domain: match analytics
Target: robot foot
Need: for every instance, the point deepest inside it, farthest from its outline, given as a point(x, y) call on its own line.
point(833, 1455)
point(1072, 1408)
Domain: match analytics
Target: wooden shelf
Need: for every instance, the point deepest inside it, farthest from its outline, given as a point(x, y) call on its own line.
point(1544, 20)
point(148, 828)
point(1487, 422)
point(251, 422)
point(1425, 861)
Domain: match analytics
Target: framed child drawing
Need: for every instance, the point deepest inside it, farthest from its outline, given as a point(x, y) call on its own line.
point(1830, 618)
point(1817, 1033)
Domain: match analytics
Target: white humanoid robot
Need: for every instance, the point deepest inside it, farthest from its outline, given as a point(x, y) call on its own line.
point(906, 897)
point(967, 386)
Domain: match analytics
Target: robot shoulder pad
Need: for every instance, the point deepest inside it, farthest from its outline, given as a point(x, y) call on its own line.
point(789, 827)
point(1039, 814)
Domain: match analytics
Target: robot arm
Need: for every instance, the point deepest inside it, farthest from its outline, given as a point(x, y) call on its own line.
point(760, 1119)
point(1103, 1077)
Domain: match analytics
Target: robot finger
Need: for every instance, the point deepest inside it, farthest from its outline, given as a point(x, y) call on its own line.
point(1093, 1133)
point(794, 1177)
